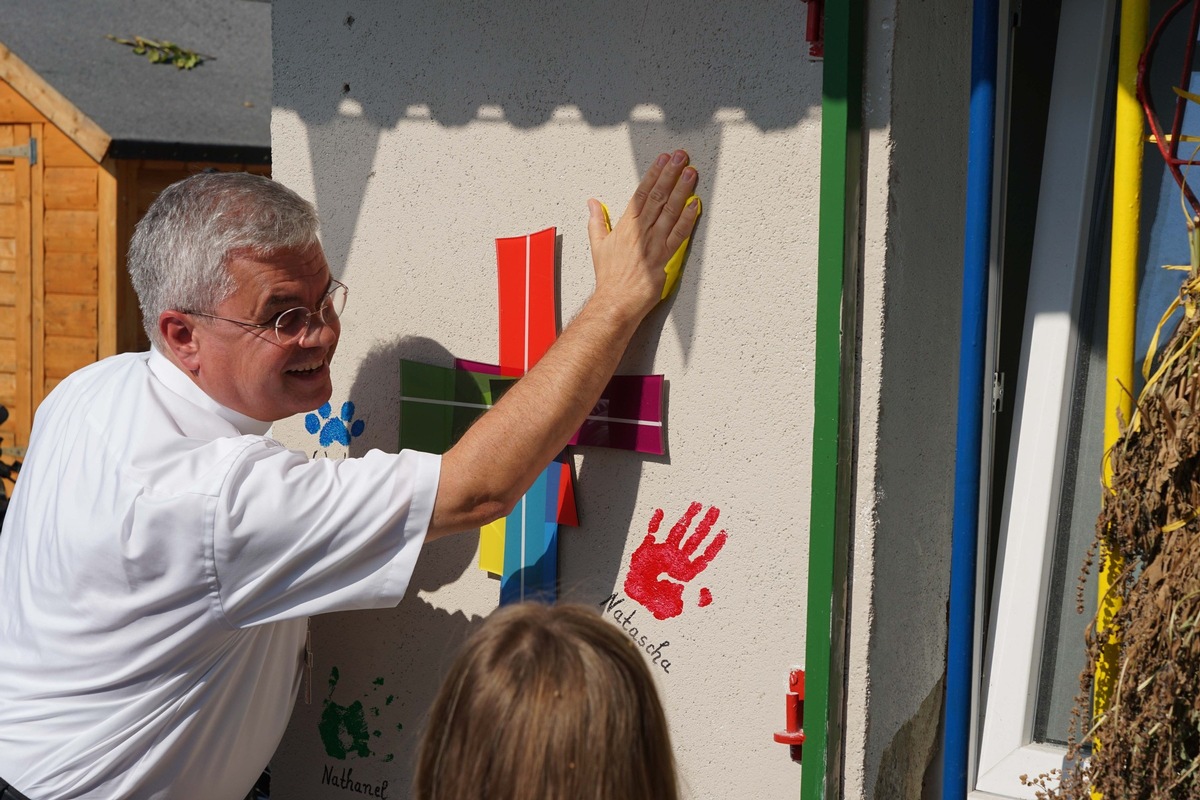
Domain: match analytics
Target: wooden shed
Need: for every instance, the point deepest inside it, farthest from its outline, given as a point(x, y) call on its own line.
point(90, 132)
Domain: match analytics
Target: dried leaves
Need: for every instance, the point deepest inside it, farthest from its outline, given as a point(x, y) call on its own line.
point(1147, 743)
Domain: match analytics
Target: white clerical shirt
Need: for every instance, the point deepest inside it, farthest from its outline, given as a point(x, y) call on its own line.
point(158, 564)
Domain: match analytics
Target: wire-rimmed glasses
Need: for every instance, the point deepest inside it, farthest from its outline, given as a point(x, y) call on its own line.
point(291, 325)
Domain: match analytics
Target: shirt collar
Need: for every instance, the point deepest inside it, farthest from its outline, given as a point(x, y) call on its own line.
point(175, 379)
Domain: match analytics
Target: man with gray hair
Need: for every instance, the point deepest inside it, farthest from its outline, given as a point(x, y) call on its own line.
point(161, 555)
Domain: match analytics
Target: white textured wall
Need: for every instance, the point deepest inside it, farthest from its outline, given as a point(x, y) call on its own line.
point(916, 91)
point(424, 131)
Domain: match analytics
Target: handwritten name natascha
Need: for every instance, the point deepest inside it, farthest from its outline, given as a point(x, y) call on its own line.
point(625, 617)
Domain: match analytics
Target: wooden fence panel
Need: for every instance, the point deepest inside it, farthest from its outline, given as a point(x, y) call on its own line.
point(71, 188)
point(70, 273)
point(65, 354)
point(70, 315)
point(70, 231)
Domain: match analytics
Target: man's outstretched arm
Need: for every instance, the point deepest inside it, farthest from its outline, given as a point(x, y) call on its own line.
point(500, 456)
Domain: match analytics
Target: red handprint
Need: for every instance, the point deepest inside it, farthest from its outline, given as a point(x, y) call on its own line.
point(674, 559)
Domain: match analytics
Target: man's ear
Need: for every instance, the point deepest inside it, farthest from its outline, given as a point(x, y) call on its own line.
point(178, 331)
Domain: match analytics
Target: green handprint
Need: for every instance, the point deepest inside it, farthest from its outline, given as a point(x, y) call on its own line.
point(344, 729)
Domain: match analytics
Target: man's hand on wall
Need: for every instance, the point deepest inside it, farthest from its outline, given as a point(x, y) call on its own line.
point(629, 259)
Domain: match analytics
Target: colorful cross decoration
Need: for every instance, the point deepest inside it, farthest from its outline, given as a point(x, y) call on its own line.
point(438, 404)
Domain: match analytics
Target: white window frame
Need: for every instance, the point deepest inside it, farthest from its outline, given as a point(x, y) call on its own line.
point(1006, 680)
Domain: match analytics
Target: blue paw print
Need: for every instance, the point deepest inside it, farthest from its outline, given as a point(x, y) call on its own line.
point(338, 429)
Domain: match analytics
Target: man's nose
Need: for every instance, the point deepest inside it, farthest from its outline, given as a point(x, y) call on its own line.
point(318, 333)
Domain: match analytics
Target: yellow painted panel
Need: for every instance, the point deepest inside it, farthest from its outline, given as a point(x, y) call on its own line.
point(491, 547)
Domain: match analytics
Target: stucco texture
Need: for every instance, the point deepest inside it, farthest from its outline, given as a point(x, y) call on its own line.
point(425, 131)
point(916, 90)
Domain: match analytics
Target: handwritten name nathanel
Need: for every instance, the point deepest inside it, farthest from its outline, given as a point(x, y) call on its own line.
point(345, 780)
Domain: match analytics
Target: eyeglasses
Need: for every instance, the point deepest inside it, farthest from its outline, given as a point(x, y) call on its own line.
point(292, 325)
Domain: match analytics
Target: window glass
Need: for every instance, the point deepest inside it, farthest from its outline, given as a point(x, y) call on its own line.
point(1063, 655)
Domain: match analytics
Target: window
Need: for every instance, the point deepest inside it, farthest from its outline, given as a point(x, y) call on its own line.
point(1047, 489)
point(1046, 455)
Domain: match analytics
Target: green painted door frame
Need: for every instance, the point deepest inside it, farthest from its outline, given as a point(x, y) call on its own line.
point(834, 399)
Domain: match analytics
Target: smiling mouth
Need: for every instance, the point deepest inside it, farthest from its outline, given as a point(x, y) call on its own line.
point(309, 369)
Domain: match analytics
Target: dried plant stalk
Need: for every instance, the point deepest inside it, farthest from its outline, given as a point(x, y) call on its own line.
point(1147, 744)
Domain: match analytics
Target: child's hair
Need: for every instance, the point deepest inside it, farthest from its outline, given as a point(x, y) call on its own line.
point(547, 703)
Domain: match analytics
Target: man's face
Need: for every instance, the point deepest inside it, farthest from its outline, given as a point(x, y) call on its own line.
point(246, 369)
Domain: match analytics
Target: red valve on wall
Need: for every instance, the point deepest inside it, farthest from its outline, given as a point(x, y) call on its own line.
point(815, 32)
point(794, 704)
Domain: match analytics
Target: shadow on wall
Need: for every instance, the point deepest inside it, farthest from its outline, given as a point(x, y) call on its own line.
point(531, 58)
point(914, 483)
point(353, 70)
point(407, 661)
point(608, 516)
point(350, 72)
point(377, 672)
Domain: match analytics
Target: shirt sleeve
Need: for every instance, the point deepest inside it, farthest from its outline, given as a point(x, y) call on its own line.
point(294, 537)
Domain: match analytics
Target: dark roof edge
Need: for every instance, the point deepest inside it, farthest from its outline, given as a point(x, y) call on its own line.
point(177, 151)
